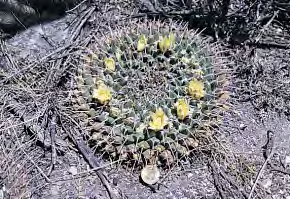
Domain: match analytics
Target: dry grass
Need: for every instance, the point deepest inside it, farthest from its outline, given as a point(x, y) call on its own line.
point(33, 160)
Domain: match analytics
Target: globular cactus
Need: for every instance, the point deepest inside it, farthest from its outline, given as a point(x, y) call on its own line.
point(153, 91)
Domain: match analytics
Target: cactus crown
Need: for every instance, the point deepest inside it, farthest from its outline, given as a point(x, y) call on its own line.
point(154, 89)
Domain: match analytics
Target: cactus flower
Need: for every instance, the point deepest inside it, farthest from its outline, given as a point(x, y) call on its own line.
point(110, 64)
point(167, 43)
point(158, 120)
point(142, 43)
point(172, 39)
point(182, 109)
point(102, 93)
point(196, 89)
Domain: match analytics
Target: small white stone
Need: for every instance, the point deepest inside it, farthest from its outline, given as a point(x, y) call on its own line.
point(279, 30)
point(189, 175)
point(287, 197)
point(266, 183)
point(242, 126)
point(73, 170)
point(150, 174)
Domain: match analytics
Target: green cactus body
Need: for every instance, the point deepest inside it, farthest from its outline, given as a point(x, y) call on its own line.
point(157, 88)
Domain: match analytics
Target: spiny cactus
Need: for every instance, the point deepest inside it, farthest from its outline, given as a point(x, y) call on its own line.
point(153, 92)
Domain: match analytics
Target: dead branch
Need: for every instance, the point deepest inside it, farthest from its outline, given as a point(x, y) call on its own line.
point(89, 156)
point(52, 138)
point(268, 153)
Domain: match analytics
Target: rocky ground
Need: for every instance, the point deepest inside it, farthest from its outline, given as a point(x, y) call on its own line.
point(261, 81)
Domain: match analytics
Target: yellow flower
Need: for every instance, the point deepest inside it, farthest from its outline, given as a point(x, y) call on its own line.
point(167, 42)
point(172, 39)
point(110, 64)
point(164, 44)
point(182, 109)
point(142, 43)
point(196, 89)
point(158, 120)
point(102, 93)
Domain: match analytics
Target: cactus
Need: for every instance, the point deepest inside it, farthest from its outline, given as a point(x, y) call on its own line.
point(155, 91)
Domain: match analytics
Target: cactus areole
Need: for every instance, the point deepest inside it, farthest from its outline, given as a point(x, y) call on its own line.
point(155, 87)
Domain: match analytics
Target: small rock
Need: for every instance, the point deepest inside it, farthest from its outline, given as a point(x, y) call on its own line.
point(279, 30)
point(288, 197)
point(189, 175)
point(73, 170)
point(266, 183)
point(242, 126)
point(150, 174)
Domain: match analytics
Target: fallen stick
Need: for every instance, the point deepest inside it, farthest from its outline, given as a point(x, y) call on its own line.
point(89, 156)
point(268, 153)
point(53, 149)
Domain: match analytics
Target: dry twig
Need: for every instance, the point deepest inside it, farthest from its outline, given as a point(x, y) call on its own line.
point(268, 153)
point(53, 149)
point(89, 156)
